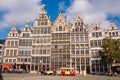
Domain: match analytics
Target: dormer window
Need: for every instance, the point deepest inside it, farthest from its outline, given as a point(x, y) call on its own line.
point(112, 27)
point(26, 34)
point(84, 29)
point(81, 28)
point(96, 28)
point(109, 33)
point(76, 29)
point(78, 23)
point(42, 16)
point(56, 29)
point(45, 22)
point(26, 29)
point(72, 29)
point(13, 34)
point(113, 34)
point(116, 33)
point(75, 23)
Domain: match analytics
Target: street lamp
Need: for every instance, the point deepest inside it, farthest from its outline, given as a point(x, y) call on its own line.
point(39, 63)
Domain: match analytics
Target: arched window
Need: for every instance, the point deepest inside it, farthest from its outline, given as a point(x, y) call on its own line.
point(42, 23)
point(113, 33)
point(64, 29)
point(116, 33)
point(56, 29)
point(78, 23)
point(45, 22)
point(60, 28)
point(75, 23)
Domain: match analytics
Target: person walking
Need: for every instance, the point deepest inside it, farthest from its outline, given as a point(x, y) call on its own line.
point(1, 77)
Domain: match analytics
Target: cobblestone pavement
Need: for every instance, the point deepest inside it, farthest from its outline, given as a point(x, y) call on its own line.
point(50, 77)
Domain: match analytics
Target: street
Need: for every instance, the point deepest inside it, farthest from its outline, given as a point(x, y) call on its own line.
point(29, 76)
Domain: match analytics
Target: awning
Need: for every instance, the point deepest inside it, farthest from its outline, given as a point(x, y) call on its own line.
point(6, 66)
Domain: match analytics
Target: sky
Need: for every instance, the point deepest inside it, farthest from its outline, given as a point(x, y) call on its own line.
point(102, 11)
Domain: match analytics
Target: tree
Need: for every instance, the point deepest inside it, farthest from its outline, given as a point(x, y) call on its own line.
point(110, 51)
point(117, 55)
point(2, 41)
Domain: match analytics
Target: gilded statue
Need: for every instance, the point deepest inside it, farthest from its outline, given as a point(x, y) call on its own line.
point(43, 6)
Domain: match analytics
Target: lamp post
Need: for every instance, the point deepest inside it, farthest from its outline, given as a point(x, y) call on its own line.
point(1, 77)
point(39, 63)
point(107, 59)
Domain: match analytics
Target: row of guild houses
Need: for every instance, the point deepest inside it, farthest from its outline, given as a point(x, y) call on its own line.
point(52, 45)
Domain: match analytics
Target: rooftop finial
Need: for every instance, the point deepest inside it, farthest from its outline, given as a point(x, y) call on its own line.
point(27, 21)
point(43, 6)
point(14, 23)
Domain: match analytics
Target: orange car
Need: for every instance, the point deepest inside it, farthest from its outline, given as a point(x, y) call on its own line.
point(67, 71)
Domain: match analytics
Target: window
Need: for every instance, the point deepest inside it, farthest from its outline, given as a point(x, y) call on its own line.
point(38, 23)
point(12, 43)
point(78, 23)
point(18, 60)
point(73, 59)
point(29, 60)
point(25, 59)
point(49, 30)
point(15, 52)
point(109, 33)
point(56, 29)
point(45, 23)
point(77, 52)
point(77, 38)
point(82, 51)
point(75, 23)
point(25, 42)
point(45, 30)
point(113, 34)
point(8, 43)
point(11, 53)
point(26, 34)
point(100, 33)
point(87, 61)
point(97, 35)
point(6, 60)
point(93, 34)
point(7, 52)
point(16, 43)
point(42, 23)
point(10, 60)
point(14, 60)
point(116, 33)
point(99, 42)
point(60, 28)
point(82, 60)
point(22, 60)
point(86, 51)
point(95, 42)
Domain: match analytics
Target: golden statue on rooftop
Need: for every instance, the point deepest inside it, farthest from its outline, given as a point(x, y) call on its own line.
point(43, 6)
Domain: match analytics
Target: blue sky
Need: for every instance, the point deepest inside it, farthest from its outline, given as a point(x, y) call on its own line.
point(90, 10)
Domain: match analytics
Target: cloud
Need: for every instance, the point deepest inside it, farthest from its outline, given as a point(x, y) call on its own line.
point(62, 6)
point(19, 11)
point(93, 10)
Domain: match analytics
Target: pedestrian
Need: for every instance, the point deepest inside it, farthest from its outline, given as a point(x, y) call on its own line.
point(54, 72)
point(1, 77)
